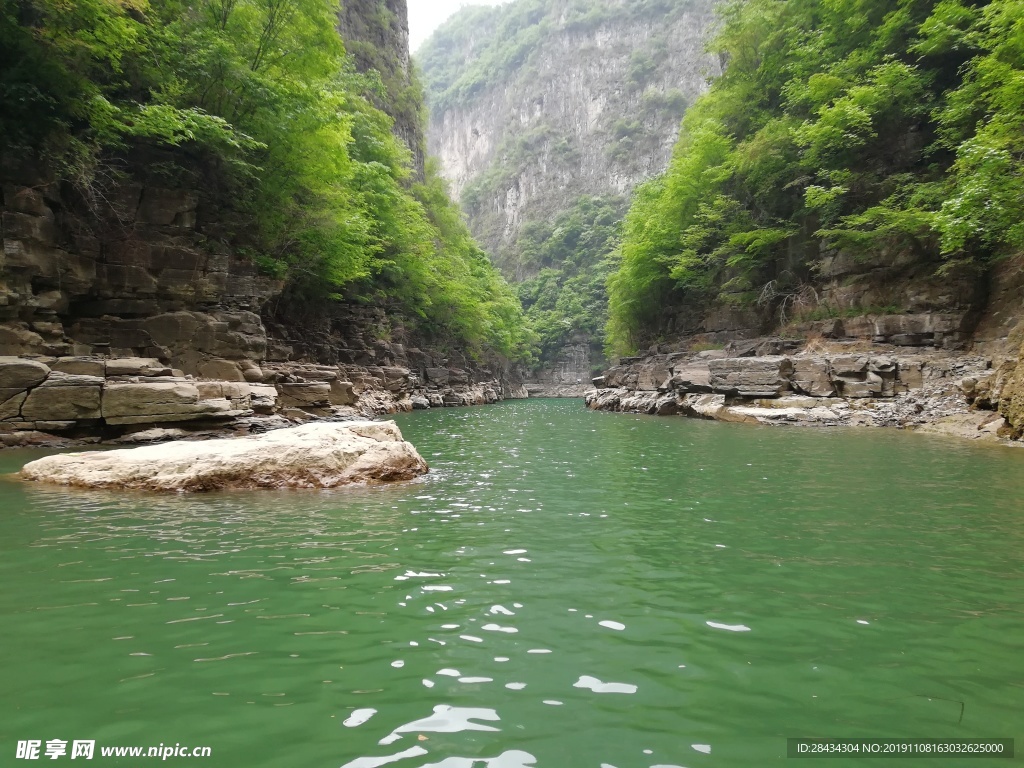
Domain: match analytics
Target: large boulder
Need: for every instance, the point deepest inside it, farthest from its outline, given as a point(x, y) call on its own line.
point(653, 376)
point(860, 376)
point(319, 455)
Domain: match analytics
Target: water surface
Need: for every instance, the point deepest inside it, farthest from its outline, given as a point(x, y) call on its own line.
point(564, 589)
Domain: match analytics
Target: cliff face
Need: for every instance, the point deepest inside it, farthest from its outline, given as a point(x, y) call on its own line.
point(376, 34)
point(530, 108)
point(143, 274)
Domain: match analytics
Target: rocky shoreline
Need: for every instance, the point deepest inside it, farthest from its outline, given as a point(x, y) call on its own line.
point(832, 385)
point(63, 401)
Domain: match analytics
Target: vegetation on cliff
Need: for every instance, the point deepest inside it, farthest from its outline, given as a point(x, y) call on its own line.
point(862, 125)
point(572, 258)
point(262, 94)
point(503, 38)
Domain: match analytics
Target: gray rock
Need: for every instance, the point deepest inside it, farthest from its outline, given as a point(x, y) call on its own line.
point(691, 378)
point(811, 377)
point(653, 376)
point(911, 373)
point(159, 402)
point(438, 376)
point(849, 365)
point(751, 377)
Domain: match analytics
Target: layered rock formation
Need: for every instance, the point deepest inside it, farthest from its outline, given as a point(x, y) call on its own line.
point(134, 315)
point(845, 385)
point(133, 303)
point(142, 275)
point(310, 456)
point(44, 400)
point(568, 375)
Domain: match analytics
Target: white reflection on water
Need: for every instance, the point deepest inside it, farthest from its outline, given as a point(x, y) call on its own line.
point(358, 717)
point(376, 762)
point(511, 759)
point(728, 627)
point(446, 719)
point(597, 686)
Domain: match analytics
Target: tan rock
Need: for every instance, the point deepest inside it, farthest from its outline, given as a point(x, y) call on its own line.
point(751, 376)
point(19, 373)
point(221, 370)
point(83, 366)
point(263, 398)
point(342, 393)
point(137, 366)
point(810, 376)
point(1011, 402)
point(56, 403)
point(10, 403)
point(319, 455)
point(159, 402)
point(305, 395)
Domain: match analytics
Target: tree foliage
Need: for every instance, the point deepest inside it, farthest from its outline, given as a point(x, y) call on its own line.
point(872, 126)
point(264, 92)
point(572, 256)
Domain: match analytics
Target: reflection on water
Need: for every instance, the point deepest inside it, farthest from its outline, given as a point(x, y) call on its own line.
point(564, 589)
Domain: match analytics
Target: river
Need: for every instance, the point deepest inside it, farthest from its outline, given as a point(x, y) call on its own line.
point(565, 589)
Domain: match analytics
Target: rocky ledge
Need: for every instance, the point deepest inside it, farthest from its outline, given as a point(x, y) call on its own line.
point(61, 400)
point(309, 456)
point(832, 385)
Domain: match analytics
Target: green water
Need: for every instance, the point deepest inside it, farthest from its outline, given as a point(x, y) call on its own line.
point(755, 584)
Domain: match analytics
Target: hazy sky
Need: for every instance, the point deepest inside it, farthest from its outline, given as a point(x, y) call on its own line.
point(427, 15)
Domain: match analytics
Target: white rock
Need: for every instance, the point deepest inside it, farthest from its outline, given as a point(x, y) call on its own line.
point(315, 455)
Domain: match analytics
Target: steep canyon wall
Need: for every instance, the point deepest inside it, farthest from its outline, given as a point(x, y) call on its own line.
point(584, 105)
point(535, 107)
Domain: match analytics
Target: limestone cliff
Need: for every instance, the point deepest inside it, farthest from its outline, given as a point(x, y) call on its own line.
point(534, 104)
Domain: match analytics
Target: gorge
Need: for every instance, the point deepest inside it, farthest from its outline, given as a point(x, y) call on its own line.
point(238, 233)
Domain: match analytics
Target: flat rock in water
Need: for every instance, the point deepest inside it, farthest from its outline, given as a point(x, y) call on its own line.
point(320, 455)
